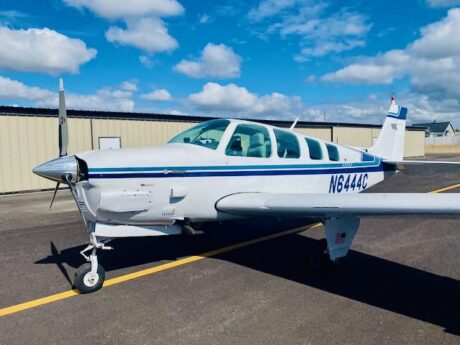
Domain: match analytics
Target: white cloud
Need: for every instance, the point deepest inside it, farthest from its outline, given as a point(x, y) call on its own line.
point(148, 34)
point(422, 108)
point(319, 33)
point(129, 8)
point(42, 50)
point(443, 3)
point(320, 36)
point(363, 74)
point(13, 89)
point(104, 99)
point(216, 60)
point(230, 98)
point(439, 39)
point(144, 27)
point(204, 19)
point(146, 61)
point(157, 95)
point(327, 47)
point(432, 62)
point(233, 99)
point(310, 79)
point(174, 112)
point(269, 8)
point(129, 86)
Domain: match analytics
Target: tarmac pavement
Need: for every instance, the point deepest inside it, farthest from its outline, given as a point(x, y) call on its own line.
point(400, 284)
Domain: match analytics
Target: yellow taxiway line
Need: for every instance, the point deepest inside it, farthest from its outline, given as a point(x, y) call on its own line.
point(117, 280)
point(446, 188)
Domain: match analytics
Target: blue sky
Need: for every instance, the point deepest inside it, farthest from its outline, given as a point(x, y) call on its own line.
point(333, 60)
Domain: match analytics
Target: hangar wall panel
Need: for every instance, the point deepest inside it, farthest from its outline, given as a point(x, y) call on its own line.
point(414, 145)
point(25, 142)
point(352, 136)
point(375, 134)
point(320, 133)
point(135, 133)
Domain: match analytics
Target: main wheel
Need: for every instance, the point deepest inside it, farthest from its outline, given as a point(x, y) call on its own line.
point(86, 281)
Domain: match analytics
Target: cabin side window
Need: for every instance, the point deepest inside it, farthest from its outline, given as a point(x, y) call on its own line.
point(333, 152)
point(314, 147)
point(249, 141)
point(287, 144)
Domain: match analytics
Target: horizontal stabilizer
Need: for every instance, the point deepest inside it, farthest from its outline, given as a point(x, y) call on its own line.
point(334, 205)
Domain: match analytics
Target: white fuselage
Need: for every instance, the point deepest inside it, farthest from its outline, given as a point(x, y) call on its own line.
point(184, 181)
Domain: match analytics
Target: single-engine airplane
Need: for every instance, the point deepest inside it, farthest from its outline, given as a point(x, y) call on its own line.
point(233, 169)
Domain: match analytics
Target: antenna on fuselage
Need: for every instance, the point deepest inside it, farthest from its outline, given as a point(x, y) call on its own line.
point(294, 123)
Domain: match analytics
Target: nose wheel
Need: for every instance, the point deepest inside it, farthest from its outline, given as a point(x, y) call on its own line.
point(87, 281)
point(90, 276)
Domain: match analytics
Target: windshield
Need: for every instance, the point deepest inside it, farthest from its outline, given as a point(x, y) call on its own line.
point(207, 134)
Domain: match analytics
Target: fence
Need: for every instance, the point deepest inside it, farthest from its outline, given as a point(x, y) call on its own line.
point(439, 141)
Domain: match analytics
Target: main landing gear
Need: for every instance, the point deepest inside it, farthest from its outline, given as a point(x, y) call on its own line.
point(90, 276)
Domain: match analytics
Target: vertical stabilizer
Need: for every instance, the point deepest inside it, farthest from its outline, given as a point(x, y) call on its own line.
point(390, 143)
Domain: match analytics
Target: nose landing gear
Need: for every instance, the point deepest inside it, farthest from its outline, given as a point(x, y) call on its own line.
point(90, 276)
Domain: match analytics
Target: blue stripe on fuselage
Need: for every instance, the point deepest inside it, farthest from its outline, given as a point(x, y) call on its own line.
point(366, 163)
point(259, 172)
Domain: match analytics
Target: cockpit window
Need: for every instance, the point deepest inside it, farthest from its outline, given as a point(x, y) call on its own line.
point(250, 141)
point(207, 134)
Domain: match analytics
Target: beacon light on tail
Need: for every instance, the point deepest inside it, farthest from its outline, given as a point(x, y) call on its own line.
point(232, 169)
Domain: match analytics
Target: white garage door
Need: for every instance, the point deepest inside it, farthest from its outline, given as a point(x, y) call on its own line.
point(108, 143)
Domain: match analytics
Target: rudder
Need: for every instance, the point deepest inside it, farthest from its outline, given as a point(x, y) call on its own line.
point(390, 143)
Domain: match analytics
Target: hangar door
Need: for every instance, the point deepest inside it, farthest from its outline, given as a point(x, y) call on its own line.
point(109, 143)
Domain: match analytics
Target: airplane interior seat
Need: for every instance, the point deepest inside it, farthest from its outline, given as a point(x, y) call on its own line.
point(257, 146)
point(235, 147)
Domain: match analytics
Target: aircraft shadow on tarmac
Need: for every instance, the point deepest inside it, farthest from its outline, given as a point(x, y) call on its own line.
point(365, 278)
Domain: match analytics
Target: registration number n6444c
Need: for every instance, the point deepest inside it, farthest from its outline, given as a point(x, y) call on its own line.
point(348, 182)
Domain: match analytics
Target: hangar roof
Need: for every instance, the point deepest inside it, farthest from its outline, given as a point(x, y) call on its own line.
point(96, 114)
point(434, 127)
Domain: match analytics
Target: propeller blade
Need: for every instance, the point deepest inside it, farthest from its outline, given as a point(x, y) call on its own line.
point(54, 195)
point(63, 130)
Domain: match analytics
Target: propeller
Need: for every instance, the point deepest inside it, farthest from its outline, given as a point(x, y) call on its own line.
point(63, 132)
point(54, 194)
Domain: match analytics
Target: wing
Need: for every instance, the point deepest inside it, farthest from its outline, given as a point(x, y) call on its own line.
point(339, 205)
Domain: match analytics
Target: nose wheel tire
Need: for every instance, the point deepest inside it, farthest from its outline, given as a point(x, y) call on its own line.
point(87, 281)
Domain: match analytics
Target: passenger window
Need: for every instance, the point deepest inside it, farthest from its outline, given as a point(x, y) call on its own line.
point(288, 146)
point(250, 141)
point(333, 152)
point(314, 147)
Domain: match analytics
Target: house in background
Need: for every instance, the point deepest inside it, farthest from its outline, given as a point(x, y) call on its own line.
point(437, 129)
